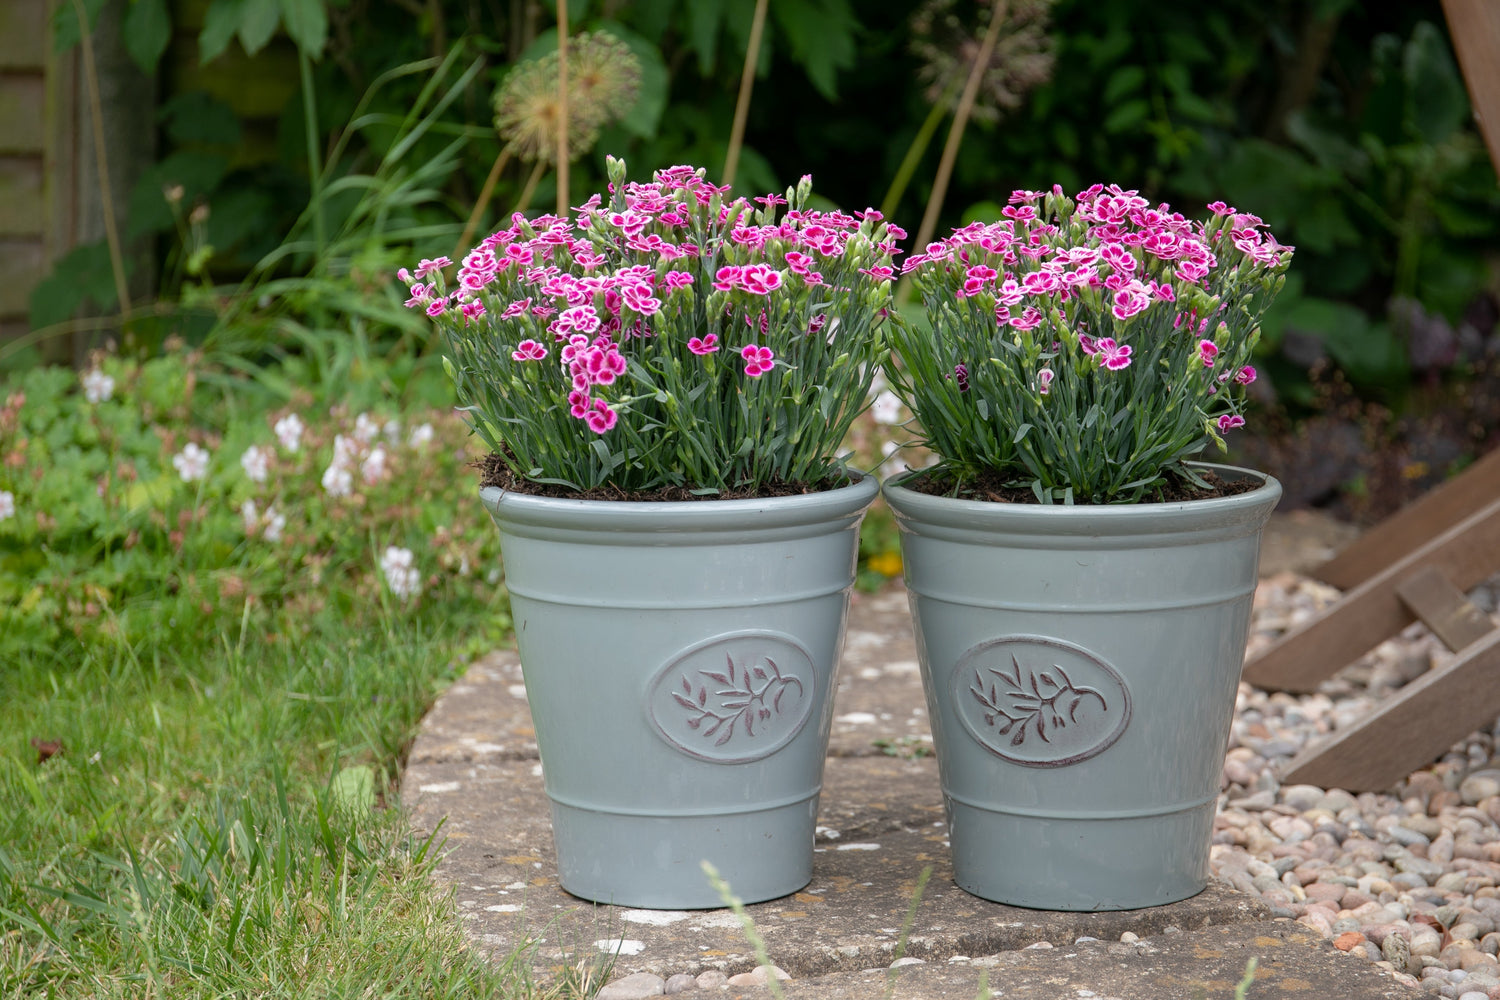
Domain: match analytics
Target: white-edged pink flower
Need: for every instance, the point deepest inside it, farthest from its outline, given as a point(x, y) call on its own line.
point(758, 360)
point(528, 350)
point(1230, 421)
point(704, 345)
point(1130, 300)
point(1207, 352)
point(600, 416)
point(1112, 355)
point(1044, 380)
point(1245, 375)
point(191, 463)
point(431, 267)
point(289, 432)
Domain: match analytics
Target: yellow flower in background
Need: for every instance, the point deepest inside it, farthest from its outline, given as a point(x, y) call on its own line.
point(886, 563)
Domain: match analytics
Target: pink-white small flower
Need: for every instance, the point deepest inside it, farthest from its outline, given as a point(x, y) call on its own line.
point(7, 505)
point(1207, 352)
point(191, 463)
point(1130, 300)
point(675, 280)
point(256, 463)
point(97, 386)
point(289, 432)
point(1112, 355)
point(1245, 375)
point(372, 469)
point(1044, 381)
point(758, 360)
point(516, 308)
point(528, 350)
point(431, 267)
point(758, 279)
point(273, 524)
point(338, 481)
point(704, 345)
point(366, 428)
point(1230, 421)
point(420, 436)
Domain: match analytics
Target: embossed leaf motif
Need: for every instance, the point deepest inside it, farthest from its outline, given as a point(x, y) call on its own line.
point(743, 695)
point(1026, 701)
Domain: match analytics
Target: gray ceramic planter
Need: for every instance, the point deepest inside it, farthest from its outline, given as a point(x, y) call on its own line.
point(679, 659)
point(1081, 665)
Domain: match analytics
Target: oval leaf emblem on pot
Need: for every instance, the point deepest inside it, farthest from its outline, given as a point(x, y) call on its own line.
point(735, 697)
point(1038, 701)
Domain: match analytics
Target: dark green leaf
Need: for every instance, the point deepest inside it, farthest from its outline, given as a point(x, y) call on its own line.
point(704, 17)
point(307, 22)
point(1437, 101)
point(821, 33)
point(1122, 82)
point(83, 274)
point(1127, 116)
point(197, 117)
point(258, 21)
point(146, 30)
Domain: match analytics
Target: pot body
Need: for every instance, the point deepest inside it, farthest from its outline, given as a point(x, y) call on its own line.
point(679, 659)
point(1081, 666)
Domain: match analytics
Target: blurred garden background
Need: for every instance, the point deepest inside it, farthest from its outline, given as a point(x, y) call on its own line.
point(238, 545)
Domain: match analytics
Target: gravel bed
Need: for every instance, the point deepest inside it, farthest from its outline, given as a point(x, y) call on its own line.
point(1410, 879)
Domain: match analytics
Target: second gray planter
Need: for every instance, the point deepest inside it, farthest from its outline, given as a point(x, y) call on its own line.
point(1081, 665)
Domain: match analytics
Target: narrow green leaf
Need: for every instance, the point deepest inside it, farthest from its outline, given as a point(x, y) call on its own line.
point(1020, 433)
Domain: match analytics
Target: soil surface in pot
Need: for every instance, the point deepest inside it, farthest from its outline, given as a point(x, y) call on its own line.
point(992, 487)
point(494, 472)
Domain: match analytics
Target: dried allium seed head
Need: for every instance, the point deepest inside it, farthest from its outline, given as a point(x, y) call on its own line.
point(603, 80)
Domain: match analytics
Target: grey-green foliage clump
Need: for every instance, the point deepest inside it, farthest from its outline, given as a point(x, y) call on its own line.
point(1086, 349)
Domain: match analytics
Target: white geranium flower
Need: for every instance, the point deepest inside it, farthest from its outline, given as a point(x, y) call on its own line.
point(344, 449)
point(275, 524)
point(366, 427)
point(7, 505)
point(392, 429)
point(289, 432)
point(400, 575)
point(191, 463)
point(250, 515)
point(420, 436)
point(255, 461)
point(97, 386)
point(337, 480)
point(373, 467)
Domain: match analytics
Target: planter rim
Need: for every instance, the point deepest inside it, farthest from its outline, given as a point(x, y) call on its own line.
point(1090, 519)
point(683, 516)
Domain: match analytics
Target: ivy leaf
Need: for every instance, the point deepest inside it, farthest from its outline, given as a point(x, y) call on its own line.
point(146, 30)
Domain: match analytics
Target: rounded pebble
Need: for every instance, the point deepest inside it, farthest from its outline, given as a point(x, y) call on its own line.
point(636, 986)
point(680, 983)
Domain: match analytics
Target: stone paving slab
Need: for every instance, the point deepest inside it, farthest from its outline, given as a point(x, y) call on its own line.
point(1291, 962)
point(880, 825)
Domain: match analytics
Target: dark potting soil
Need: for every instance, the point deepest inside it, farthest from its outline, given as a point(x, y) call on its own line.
point(494, 472)
point(991, 487)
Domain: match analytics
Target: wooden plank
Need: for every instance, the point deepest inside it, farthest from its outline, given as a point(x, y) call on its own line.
point(22, 208)
point(1418, 522)
point(1444, 609)
point(22, 263)
point(1475, 27)
point(22, 104)
point(1466, 554)
point(1411, 729)
point(24, 35)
